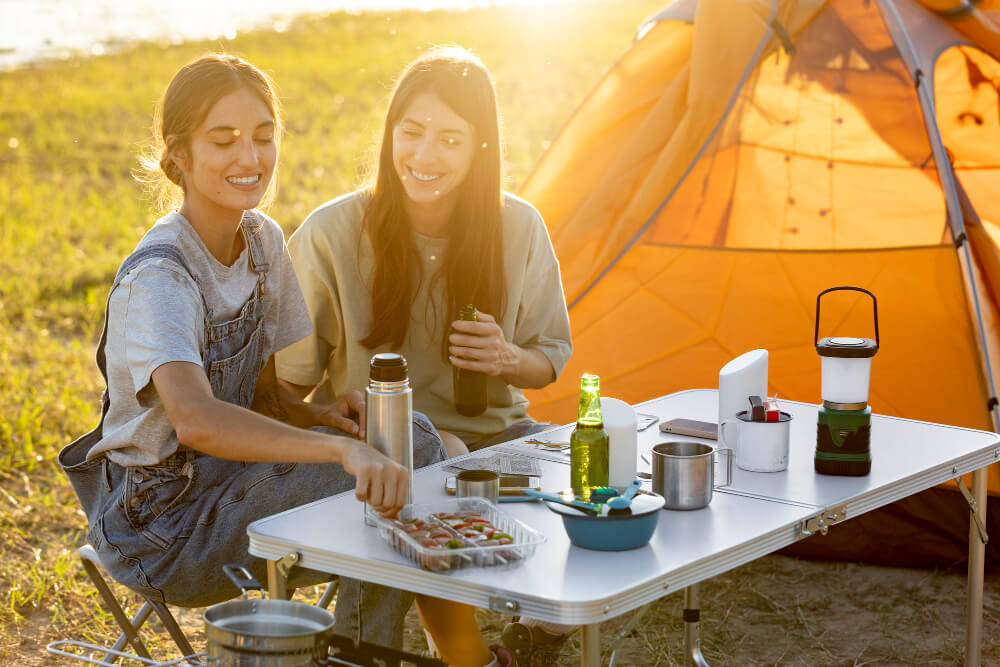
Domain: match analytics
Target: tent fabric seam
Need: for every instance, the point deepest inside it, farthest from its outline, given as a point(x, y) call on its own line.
point(765, 40)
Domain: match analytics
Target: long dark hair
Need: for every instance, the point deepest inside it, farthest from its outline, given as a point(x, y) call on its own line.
point(473, 268)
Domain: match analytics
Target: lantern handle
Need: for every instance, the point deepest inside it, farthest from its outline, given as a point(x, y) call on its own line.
point(849, 288)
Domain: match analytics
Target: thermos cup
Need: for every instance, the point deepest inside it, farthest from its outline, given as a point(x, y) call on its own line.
point(389, 409)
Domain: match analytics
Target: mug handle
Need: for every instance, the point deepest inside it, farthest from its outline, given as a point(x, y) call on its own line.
point(729, 466)
point(723, 440)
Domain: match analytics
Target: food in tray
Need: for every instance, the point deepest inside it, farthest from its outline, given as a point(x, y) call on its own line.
point(474, 528)
point(446, 537)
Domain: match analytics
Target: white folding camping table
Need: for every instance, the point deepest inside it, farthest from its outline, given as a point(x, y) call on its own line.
point(757, 515)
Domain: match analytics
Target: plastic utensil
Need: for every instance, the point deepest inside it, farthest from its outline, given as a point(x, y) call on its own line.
point(623, 501)
point(590, 508)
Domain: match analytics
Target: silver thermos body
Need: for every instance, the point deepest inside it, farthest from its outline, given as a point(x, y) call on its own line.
point(389, 406)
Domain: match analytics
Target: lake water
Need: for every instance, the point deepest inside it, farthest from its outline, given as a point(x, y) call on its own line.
point(37, 29)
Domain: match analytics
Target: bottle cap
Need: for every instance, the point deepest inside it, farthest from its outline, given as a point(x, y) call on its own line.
point(388, 367)
point(468, 312)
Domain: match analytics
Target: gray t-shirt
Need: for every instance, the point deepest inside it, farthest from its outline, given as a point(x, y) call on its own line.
point(157, 315)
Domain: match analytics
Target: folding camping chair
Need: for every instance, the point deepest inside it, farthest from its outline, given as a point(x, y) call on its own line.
point(344, 651)
point(130, 626)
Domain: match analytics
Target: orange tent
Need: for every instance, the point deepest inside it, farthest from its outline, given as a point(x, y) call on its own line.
point(742, 156)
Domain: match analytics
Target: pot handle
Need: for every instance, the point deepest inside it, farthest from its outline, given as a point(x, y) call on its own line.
point(241, 576)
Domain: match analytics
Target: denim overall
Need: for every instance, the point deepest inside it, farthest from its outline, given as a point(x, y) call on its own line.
point(165, 530)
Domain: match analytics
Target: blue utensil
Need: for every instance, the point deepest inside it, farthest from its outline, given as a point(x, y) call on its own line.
point(625, 500)
point(591, 508)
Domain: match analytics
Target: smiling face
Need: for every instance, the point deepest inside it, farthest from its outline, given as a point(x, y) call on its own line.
point(432, 150)
point(229, 159)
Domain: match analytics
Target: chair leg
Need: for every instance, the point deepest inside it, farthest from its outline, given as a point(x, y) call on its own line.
point(111, 604)
point(136, 622)
point(92, 565)
point(171, 625)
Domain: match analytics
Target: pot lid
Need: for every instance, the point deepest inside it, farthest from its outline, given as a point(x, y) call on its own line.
point(268, 618)
point(846, 347)
point(643, 503)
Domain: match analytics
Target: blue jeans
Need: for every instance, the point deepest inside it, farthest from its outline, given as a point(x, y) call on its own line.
point(166, 530)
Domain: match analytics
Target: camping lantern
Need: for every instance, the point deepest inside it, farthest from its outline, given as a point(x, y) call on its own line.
point(843, 431)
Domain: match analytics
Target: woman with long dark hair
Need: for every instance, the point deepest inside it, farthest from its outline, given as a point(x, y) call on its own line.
point(390, 266)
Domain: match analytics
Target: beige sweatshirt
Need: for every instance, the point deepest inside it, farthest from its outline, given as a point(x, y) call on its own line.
point(335, 282)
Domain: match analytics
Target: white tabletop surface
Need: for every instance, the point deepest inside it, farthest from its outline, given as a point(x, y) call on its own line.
point(758, 514)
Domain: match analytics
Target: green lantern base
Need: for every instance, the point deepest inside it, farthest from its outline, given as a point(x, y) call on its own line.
point(843, 442)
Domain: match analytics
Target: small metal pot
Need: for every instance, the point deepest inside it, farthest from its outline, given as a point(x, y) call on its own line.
point(265, 633)
point(630, 529)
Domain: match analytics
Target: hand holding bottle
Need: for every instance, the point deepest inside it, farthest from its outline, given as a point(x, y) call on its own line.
point(479, 345)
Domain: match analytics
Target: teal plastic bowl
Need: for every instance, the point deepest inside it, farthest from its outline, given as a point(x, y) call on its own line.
point(614, 532)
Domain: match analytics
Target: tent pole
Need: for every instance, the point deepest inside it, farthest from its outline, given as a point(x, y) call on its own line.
point(947, 176)
point(977, 548)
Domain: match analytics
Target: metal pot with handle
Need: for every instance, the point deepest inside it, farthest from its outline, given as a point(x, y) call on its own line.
point(265, 633)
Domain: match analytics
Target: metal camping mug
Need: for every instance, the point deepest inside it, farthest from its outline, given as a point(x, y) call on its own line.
point(479, 484)
point(759, 446)
point(684, 473)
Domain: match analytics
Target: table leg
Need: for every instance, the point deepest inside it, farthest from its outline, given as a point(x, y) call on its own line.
point(977, 559)
point(692, 627)
point(277, 583)
point(590, 649)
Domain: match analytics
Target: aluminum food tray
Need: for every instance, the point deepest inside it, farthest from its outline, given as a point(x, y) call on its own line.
point(525, 538)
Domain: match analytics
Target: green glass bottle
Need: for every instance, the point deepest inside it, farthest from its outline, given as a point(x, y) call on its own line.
point(469, 386)
point(589, 442)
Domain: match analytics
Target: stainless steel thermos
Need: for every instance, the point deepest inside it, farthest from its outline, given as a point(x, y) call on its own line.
point(389, 405)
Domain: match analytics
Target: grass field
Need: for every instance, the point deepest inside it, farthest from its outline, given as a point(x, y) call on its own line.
point(70, 133)
point(69, 212)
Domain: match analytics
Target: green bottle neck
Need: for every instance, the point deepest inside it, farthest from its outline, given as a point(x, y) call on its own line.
point(589, 413)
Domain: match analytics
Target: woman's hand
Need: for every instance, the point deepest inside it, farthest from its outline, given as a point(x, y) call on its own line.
point(346, 413)
point(379, 480)
point(480, 346)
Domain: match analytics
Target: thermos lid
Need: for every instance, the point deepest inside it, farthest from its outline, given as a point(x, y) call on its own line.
point(846, 347)
point(388, 367)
